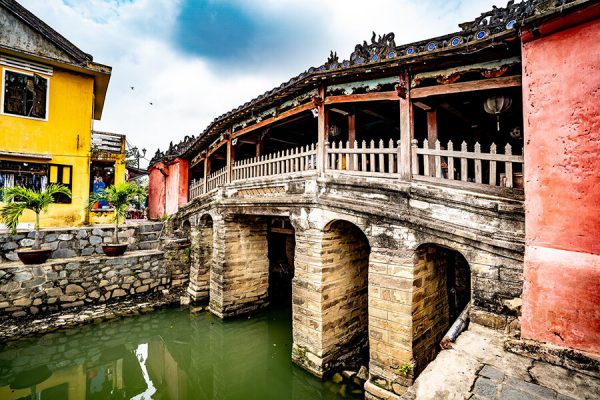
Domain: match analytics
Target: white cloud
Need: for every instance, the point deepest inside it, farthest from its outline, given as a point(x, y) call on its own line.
point(188, 92)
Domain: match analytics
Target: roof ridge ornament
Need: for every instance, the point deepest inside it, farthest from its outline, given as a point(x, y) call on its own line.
point(381, 46)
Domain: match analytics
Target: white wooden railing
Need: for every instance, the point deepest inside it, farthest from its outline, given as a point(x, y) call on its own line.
point(284, 162)
point(374, 159)
point(216, 179)
point(196, 189)
point(452, 164)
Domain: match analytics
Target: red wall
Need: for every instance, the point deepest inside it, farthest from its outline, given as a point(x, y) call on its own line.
point(167, 193)
point(156, 191)
point(561, 89)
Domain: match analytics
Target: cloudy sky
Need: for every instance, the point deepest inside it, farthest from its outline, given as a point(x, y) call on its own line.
point(196, 59)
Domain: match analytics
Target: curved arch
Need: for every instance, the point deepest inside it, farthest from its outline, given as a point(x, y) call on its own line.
point(441, 290)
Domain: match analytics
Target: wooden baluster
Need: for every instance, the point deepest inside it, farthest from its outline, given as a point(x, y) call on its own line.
point(464, 174)
point(415, 157)
point(372, 156)
point(363, 156)
point(301, 158)
point(437, 159)
point(355, 157)
point(508, 166)
point(288, 162)
point(332, 156)
point(390, 157)
point(493, 150)
point(381, 157)
point(426, 158)
point(477, 163)
point(348, 157)
point(450, 161)
point(296, 159)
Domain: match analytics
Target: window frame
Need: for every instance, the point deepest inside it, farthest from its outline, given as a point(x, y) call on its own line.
point(60, 179)
point(3, 94)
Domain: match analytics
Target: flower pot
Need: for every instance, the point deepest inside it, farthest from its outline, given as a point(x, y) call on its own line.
point(113, 250)
point(30, 256)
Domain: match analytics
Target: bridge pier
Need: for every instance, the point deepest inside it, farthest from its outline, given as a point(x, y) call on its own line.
point(239, 276)
point(201, 258)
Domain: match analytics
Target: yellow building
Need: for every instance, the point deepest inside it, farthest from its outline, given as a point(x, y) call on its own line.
point(51, 93)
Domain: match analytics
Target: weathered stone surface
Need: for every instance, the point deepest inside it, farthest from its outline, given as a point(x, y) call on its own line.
point(72, 289)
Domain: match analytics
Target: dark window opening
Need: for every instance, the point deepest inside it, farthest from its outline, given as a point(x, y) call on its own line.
point(102, 176)
point(32, 176)
point(282, 244)
point(25, 95)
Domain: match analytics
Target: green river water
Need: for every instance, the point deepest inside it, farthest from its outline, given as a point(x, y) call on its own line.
point(166, 354)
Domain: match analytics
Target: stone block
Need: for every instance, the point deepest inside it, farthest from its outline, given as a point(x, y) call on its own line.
point(65, 236)
point(22, 302)
point(27, 242)
point(82, 234)
point(94, 240)
point(64, 253)
point(22, 276)
point(485, 388)
point(10, 246)
point(52, 245)
point(119, 293)
point(73, 289)
point(12, 256)
point(51, 237)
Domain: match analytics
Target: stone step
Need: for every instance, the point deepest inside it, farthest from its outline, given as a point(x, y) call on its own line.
point(149, 245)
point(148, 236)
point(150, 227)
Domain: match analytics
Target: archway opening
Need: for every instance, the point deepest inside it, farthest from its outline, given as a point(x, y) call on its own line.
point(281, 244)
point(345, 263)
point(442, 289)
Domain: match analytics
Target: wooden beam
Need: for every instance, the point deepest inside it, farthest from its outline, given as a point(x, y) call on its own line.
point(460, 87)
point(351, 98)
point(269, 121)
point(217, 147)
point(283, 141)
point(285, 231)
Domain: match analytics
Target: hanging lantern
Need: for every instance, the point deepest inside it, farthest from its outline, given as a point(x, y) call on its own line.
point(496, 105)
point(334, 130)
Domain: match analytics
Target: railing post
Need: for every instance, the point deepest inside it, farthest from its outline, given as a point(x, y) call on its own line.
point(206, 172)
point(414, 158)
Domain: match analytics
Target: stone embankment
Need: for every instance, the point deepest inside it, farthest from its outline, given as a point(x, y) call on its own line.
point(81, 242)
point(81, 278)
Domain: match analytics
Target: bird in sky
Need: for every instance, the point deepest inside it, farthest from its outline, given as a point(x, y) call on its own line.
point(151, 103)
point(132, 87)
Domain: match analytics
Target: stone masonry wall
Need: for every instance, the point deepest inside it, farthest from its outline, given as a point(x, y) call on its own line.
point(66, 283)
point(345, 258)
point(429, 305)
point(240, 268)
point(80, 242)
point(201, 253)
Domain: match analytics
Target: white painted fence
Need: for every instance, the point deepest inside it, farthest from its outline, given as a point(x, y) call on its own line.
point(372, 159)
point(453, 164)
point(283, 162)
point(217, 179)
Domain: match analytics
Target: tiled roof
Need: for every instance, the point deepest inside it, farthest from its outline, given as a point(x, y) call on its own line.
point(40, 26)
point(381, 51)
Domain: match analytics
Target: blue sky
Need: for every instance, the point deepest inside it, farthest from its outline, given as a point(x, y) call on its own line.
point(197, 59)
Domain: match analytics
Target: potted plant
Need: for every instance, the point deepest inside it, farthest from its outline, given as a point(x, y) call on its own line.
point(120, 197)
point(20, 199)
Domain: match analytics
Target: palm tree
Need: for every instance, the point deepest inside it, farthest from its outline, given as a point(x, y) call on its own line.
point(20, 199)
point(120, 197)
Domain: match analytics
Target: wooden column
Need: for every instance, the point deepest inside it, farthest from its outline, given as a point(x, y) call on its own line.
point(323, 138)
point(230, 157)
point(406, 130)
point(206, 172)
point(432, 137)
point(352, 126)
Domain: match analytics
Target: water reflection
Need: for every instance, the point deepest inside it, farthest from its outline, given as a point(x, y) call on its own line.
point(169, 354)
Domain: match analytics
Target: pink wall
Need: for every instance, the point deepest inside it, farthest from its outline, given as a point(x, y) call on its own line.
point(167, 194)
point(561, 88)
point(177, 185)
point(156, 191)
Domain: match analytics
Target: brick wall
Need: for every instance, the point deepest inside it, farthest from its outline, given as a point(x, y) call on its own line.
point(239, 277)
point(345, 261)
point(201, 255)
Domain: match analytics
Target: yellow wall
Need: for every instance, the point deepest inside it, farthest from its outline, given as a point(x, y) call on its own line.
point(66, 135)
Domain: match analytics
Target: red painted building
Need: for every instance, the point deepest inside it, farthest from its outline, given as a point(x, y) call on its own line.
point(561, 90)
point(167, 187)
